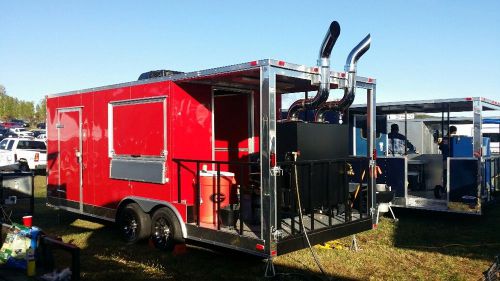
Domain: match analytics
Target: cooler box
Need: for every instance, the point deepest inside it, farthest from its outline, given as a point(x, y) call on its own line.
point(209, 197)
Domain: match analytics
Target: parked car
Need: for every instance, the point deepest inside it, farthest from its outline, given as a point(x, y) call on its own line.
point(22, 132)
point(20, 122)
point(5, 133)
point(34, 151)
point(38, 132)
point(40, 125)
point(11, 125)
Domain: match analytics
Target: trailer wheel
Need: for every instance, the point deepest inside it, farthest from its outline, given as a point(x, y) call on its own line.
point(165, 229)
point(134, 224)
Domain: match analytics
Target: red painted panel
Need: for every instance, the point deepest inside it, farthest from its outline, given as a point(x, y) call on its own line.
point(138, 129)
point(52, 152)
point(231, 122)
point(88, 173)
point(190, 134)
point(69, 144)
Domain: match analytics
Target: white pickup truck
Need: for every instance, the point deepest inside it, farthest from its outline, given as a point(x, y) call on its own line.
point(33, 151)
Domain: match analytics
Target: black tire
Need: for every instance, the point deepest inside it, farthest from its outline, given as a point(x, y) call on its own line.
point(134, 223)
point(165, 229)
point(437, 191)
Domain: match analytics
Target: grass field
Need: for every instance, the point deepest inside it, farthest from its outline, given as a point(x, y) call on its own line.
point(422, 246)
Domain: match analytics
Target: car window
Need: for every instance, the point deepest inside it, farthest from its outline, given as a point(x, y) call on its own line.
point(10, 145)
point(26, 144)
point(3, 144)
point(39, 145)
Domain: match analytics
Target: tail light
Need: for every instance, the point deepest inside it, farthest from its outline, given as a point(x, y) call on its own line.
point(272, 159)
point(37, 157)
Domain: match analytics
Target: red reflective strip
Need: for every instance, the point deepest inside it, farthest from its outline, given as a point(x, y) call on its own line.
point(259, 247)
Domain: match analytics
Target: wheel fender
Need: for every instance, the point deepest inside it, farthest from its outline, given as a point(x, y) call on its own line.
point(147, 205)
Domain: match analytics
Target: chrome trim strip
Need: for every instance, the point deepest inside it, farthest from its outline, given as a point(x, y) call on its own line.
point(336, 75)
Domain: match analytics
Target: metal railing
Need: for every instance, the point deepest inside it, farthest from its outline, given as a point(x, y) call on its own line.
point(324, 191)
point(246, 173)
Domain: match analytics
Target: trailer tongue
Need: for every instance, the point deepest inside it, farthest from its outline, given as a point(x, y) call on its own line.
point(205, 156)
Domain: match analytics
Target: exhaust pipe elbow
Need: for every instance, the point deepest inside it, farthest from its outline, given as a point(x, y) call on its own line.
point(356, 53)
point(324, 87)
point(350, 90)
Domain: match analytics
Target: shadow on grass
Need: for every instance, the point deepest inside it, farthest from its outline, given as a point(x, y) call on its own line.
point(476, 237)
point(105, 257)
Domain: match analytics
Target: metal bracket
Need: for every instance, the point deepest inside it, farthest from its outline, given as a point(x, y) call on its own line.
point(270, 271)
point(276, 171)
point(276, 233)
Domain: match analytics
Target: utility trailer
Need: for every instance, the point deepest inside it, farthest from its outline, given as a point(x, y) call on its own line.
point(196, 156)
point(464, 180)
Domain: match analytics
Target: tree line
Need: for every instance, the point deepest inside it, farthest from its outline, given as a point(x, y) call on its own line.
point(14, 108)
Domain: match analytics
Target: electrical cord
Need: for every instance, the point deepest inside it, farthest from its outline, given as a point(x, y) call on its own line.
point(299, 205)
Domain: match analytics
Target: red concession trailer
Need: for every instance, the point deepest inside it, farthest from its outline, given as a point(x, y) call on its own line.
point(206, 156)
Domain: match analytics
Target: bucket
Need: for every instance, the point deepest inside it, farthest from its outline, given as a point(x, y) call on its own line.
point(210, 197)
point(228, 216)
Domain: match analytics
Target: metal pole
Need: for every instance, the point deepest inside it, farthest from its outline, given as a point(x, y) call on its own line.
point(406, 132)
point(449, 137)
point(370, 125)
point(477, 145)
point(268, 149)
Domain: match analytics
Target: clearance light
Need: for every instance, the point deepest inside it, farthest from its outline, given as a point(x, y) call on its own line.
point(281, 63)
point(342, 75)
point(468, 99)
point(370, 80)
point(274, 253)
point(259, 247)
point(254, 63)
point(272, 159)
point(315, 69)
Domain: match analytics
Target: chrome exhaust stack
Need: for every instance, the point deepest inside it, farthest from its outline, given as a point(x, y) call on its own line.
point(324, 87)
point(350, 88)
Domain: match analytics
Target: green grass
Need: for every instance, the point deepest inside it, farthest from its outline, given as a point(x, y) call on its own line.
point(422, 246)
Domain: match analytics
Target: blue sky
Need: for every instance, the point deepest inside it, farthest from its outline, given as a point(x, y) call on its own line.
point(420, 49)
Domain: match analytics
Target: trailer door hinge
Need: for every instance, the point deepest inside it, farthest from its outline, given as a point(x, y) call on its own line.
point(276, 171)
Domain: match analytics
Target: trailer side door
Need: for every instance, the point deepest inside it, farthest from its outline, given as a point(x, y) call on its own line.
point(69, 141)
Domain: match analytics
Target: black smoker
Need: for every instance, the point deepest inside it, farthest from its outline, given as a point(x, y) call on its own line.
point(322, 177)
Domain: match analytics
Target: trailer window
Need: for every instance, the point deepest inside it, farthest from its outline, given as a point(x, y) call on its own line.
point(138, 139)
point(138, 128)
point(494, 137)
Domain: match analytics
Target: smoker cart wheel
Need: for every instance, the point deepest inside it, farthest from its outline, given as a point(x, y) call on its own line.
point(134, 223)
point(165, 229)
